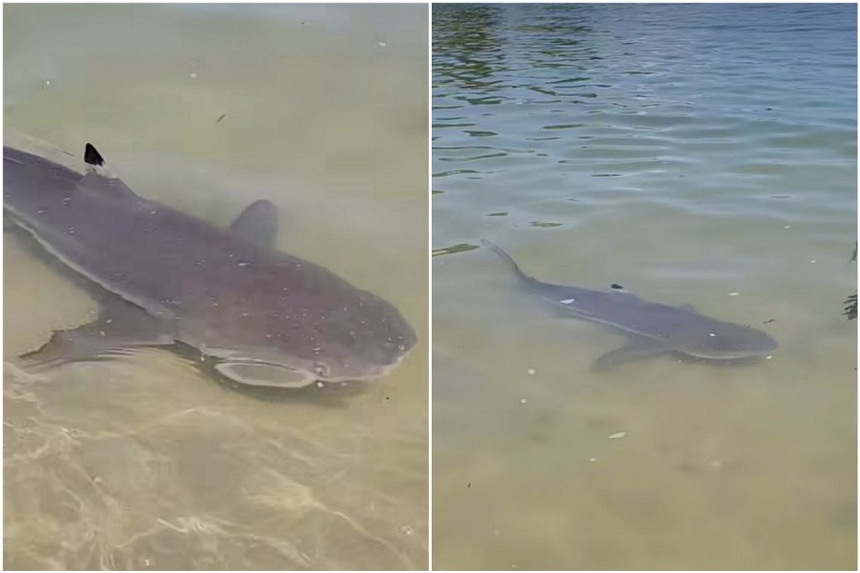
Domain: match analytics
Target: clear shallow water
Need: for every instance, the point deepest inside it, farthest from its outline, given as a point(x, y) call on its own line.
point(694, 154)
point(144, 462)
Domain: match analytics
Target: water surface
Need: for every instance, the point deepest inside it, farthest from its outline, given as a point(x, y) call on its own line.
point(700, 155)
point(145, 462)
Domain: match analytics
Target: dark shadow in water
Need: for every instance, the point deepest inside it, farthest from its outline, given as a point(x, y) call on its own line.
point(466, 44)
point(481, 49)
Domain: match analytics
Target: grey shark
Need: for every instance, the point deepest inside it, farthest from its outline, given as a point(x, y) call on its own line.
point(652, 328)
point(164, 278)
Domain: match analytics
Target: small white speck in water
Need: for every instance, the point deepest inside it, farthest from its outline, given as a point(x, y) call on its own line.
point(786, 226)
point(531, 371)
point(320, 384)
point(567, 301)
point(523, 401)
point(592, 459)
point(768, 357)
point(192, 75)
point(812, 261)
point(243, 264)
point(711, 334)
point(734, 293)
point(381, 44)
point(617, 435)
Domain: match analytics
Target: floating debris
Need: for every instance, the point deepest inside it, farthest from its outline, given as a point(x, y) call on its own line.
point(617, 435)
point(223, 115)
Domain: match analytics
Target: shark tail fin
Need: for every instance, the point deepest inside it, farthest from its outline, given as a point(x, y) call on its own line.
point(507, 258)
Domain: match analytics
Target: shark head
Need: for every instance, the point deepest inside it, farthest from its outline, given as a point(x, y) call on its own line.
point(729, 342)
point(344, 343)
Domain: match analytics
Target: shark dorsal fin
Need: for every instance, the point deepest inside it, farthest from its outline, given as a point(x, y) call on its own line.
point(258, 223)
point(98, 178)
point(617, 288)
point(92, 156)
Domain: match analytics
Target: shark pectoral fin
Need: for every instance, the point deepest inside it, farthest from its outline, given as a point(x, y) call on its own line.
point(258, 223)
point(637, 349)
point(119, 328)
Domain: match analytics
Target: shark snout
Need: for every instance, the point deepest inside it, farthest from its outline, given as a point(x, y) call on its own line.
point(739, 342)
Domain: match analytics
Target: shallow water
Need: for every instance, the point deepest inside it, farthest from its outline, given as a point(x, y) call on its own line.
point(145, 462)
point(694, 154)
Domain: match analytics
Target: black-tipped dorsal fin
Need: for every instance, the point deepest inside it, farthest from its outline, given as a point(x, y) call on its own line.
point(258, 223)
point(92, 156)
point(98, 177)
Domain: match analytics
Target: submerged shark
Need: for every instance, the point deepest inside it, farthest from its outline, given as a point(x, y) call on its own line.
point(651, 328)
point(164, 278)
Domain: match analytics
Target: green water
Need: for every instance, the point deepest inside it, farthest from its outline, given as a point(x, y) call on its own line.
point(700, 155)
point(143, 462)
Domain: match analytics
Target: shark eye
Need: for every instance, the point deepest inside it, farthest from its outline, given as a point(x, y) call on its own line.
point(321, 370)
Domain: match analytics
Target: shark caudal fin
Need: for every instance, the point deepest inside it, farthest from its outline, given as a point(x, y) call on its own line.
point(507, 258)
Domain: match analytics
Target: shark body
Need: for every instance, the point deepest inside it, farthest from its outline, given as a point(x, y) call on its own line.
point(652, 328)
point(263, 317)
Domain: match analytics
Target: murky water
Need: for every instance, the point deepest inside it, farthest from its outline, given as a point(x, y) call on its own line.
point(694, 154)
point(145, 462)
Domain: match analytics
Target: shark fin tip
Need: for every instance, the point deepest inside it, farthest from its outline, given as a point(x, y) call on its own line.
point(92, 156)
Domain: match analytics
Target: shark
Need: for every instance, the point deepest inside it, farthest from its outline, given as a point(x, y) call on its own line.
point(164, 278)
point(651, 328)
